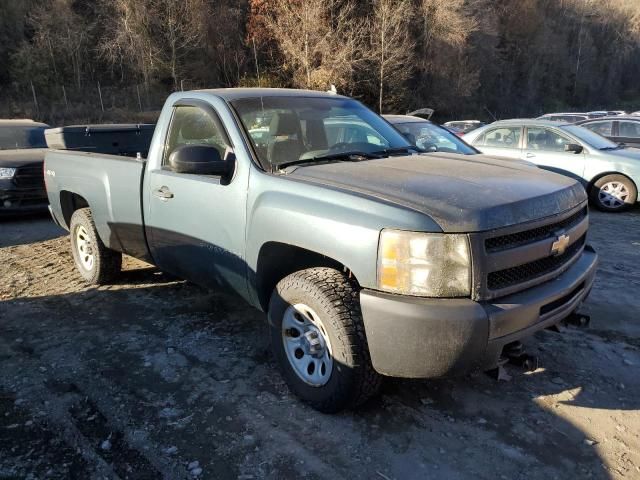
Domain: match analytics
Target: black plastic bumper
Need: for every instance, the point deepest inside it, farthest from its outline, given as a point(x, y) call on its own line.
point(15, 200)
point(427, 338)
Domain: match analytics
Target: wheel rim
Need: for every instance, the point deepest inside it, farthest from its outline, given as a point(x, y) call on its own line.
point(307, 345)
point(84, 247)
point(613, 194)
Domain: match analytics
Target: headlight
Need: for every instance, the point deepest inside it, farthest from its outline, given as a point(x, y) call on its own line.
point(7, 172)
point(424, 264)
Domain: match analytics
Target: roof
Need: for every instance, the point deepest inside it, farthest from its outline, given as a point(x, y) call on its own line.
point(21, 122)
point(406, 119)
point(238, 93)
point(633, 118)
point(563, 113)
point(464, 121)
point(536, 122)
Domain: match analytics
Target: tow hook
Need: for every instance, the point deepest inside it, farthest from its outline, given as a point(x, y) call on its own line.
point(515, 354)
point(578, 320)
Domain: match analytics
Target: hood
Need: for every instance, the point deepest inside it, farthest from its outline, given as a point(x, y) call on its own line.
point(462, 193)
point(628, 153)
point(21, 157)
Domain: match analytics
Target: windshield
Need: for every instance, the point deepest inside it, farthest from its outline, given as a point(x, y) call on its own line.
point(589, 137)
point(12, 137)
point(432, 138)
point(288, 129)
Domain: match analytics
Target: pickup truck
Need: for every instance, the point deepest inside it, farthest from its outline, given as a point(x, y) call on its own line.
point(370, 257)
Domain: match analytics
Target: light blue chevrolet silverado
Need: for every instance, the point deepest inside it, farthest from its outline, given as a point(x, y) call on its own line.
point(370, 257)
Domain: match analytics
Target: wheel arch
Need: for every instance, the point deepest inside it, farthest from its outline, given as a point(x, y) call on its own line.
point(593, 181)
point(276, 260)
point(69, 203)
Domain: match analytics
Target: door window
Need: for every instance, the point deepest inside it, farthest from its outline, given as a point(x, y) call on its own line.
point(601, 128)
point(630, 129)
point(546, 140)
point(504, 137)
point(193, 126)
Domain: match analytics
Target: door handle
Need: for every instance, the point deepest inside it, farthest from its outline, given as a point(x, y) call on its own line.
point(163, 193)
point(530, 155)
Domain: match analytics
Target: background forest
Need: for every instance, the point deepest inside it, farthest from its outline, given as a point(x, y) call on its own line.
point(101, 60)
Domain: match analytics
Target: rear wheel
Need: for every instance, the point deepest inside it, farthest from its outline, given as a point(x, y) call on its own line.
point(614, 193)
point(318, 339)
point(96, 263)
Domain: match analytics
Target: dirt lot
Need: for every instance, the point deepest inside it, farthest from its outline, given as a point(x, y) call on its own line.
point(156, 378)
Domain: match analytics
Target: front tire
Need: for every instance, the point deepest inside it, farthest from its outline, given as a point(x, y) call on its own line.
point(96, 263)
point(614, 193)
point(319, 342)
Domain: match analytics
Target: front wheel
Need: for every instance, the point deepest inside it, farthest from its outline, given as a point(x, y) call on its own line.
point(614, 193)
point(96, 263)
point(318, 339)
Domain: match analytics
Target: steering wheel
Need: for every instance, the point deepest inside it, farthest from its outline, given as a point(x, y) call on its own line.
point(350, 147)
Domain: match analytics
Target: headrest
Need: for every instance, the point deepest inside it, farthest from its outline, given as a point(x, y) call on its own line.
point(284, 124)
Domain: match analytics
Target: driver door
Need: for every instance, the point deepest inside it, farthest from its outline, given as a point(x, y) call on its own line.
point(195, 223)
point(546, 148)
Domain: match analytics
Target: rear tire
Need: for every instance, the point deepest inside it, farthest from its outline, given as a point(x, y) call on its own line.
point(614, 193)
point(315, 319)
point(96, 263)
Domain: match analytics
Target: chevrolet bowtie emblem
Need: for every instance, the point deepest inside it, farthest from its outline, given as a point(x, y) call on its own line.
point(560, 245)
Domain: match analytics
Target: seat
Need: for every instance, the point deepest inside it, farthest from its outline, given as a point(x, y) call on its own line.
point(285, 143)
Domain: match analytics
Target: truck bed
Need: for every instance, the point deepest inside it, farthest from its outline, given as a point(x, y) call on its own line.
point(110, 184)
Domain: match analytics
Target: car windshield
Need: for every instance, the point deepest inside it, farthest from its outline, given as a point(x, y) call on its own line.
point(589, 137)
point(296, 129)
point(12, 137)
point(432, 138)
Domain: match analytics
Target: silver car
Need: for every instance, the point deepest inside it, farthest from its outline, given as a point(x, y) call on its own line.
point(609, 172)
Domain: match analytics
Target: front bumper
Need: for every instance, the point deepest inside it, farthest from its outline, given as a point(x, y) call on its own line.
point(416, 337)
point(18, 200)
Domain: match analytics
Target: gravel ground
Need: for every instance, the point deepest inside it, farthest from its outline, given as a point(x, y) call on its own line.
point(155, 378)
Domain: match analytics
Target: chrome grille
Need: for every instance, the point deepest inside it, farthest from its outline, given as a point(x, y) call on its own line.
point(505, 242)
point(532, 270)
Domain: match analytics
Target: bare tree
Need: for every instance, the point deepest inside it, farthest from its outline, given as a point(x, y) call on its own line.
point(180, 29)
point(62, 34)
point(128, 39)
point(391, 47)
point(321, 40)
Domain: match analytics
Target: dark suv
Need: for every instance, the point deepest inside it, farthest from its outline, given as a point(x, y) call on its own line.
point(22, 149)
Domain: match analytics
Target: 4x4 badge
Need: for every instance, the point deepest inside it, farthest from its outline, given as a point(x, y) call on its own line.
point(560, 245)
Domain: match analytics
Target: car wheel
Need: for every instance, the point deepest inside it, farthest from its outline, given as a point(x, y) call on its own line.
point(96, 263)
point(318, 339)
point(614, 193)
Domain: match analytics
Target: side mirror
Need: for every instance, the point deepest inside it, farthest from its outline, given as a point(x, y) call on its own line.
point(200, 160)
point(573, 147)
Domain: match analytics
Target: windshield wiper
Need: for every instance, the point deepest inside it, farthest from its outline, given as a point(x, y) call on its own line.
point(397, 150)
point(354, 156)
point(617, 147)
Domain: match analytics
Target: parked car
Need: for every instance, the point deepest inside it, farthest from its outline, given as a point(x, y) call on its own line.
point(564, 117)
point(22, 149)
point(369, 259)
point(428, 136)
point(465, 125)
point(609, 172)
point(597, 114)
point(616, 112)
point(620, 129)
